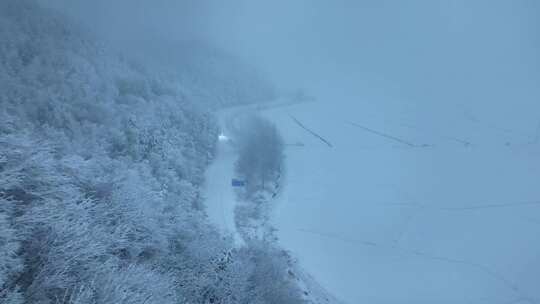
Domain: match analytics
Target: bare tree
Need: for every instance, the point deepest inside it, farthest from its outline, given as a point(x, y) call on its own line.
point(260, 153)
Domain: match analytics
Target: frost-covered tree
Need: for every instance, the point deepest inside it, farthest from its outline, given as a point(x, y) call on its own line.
point(10, 263)
point(269, 281)
point(260, 152)
point(101, 165)
point(211, 76)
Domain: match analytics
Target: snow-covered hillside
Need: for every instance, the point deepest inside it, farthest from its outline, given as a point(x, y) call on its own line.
point(215, 79)
point(101, 169)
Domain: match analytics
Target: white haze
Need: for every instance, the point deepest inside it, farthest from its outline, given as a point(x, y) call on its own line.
point(471, 53)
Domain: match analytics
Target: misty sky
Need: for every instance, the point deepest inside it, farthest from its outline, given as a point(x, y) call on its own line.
point(476, 53)
point(459, 51)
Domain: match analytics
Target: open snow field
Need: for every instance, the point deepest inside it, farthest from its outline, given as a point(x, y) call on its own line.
point(411, 209)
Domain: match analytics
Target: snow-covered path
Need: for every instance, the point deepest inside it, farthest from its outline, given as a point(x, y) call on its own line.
point(220, 198)
point(219, 194)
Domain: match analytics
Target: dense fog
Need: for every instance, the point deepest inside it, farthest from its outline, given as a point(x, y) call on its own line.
point(437, 51)
point(470, 54)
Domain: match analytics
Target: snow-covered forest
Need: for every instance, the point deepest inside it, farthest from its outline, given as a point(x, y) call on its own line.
point(101, 167)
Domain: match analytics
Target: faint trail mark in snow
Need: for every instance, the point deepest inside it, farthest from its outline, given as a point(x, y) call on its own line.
point(339, 237)
point(409, 219)
point(401, 234)
point(490, 206)
point(466, 208)
point(383, 135)
point(494, 127)
point(483, 268)
point(448, 137)
point(311, 132)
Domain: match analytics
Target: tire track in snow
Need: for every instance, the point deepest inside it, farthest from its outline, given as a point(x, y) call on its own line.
point(466, 208)
point(311, 132)
point(388, 136)
point(443, 136)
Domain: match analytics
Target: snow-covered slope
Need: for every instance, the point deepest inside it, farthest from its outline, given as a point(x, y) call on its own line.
point(406, 208)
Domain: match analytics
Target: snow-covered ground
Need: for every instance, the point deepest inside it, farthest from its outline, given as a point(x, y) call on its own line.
point(398, 207)
point(411, 209)
point(221, 199)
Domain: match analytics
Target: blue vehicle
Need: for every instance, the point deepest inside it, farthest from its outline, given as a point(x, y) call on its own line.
point(238, 183)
